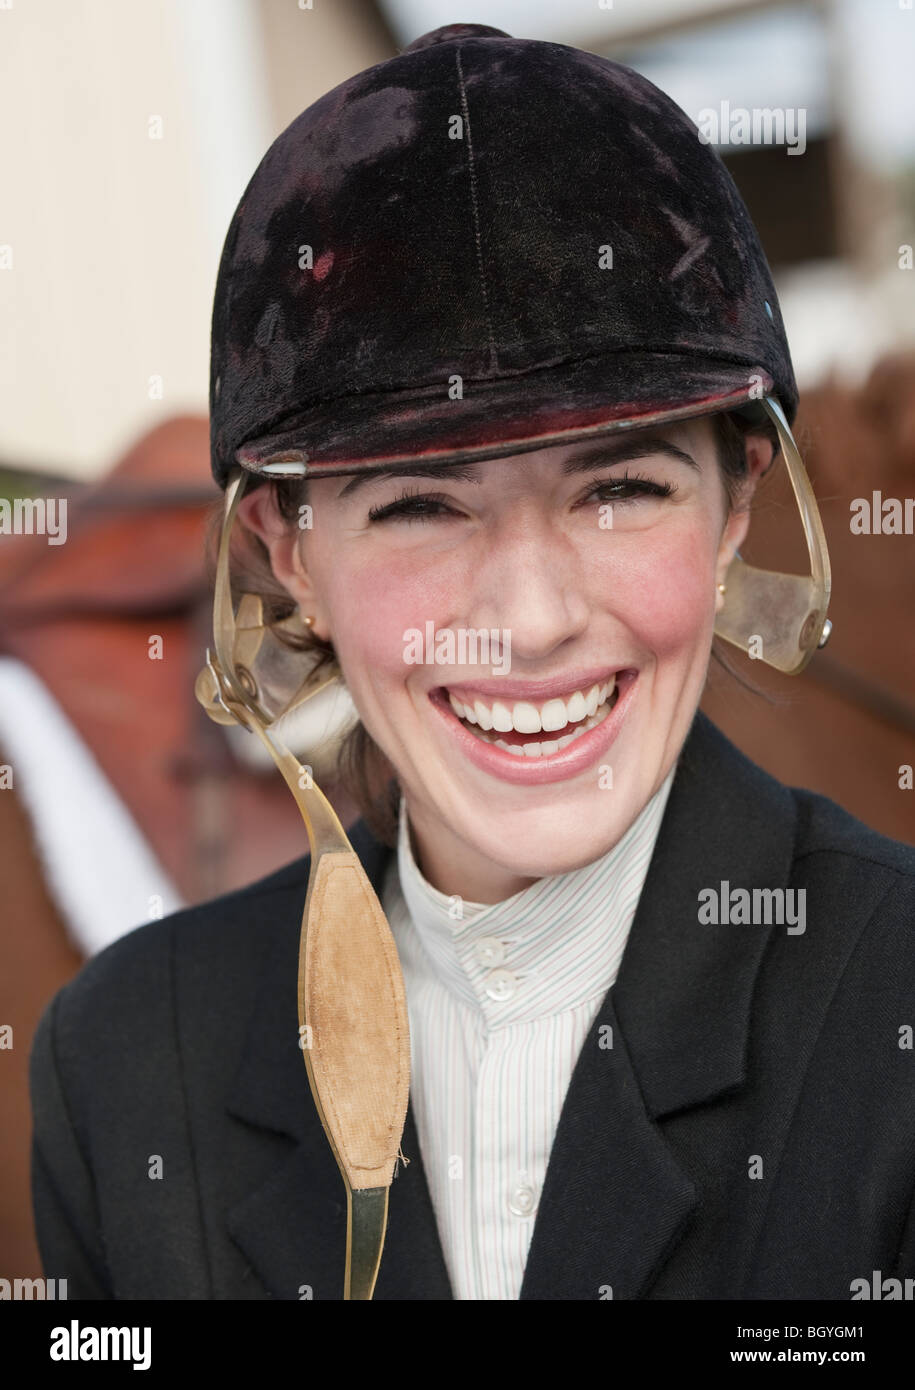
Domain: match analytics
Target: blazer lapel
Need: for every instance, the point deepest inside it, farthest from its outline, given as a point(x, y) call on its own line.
point(291, 1225)
point(412, 1264)
point(616, 1199)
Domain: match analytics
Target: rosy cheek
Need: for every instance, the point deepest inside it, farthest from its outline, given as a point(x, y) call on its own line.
point(377, 602)
point(655, 587)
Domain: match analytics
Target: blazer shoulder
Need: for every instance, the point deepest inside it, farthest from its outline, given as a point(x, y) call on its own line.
point(855, 877)
point(119, 1012)
point(235, 923)
point(826, 828)
point(206, 957)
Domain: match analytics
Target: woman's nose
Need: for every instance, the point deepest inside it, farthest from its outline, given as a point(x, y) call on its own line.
point(531, 583)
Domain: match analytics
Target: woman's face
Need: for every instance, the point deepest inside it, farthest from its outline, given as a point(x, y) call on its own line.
point(590, 568)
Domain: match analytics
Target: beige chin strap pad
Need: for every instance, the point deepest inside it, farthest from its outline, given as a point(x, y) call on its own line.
point(351, 992)
point(353, 1023)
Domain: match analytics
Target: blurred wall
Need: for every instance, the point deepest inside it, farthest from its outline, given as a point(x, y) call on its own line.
point(129, 134)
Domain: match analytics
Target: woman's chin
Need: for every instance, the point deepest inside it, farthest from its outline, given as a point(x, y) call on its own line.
point(545, 843)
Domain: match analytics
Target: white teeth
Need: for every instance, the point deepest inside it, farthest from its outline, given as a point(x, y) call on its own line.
point(501, 718)
point(550, 746)
point(554, 715)
point(577, 707)
point(525, 717)
point(484, 718)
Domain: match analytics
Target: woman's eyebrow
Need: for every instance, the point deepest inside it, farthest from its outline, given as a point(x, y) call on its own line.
point(613, 451)
point(619, 450)
point(465, 472)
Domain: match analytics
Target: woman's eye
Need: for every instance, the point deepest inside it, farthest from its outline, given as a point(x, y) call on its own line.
point(412, 506)
point(427, 506)
point(630, 488)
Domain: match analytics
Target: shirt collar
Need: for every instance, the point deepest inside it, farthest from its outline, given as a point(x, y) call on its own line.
point(547, 948)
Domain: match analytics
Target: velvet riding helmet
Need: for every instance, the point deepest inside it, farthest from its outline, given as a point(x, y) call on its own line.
point(542, 229)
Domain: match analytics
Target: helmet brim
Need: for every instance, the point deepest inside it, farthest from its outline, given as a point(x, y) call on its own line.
point(491, 419)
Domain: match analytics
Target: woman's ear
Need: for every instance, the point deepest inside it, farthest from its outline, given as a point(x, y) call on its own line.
point(260, 514)
point(759, 454)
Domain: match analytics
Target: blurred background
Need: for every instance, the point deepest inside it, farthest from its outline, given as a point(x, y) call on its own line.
point(129, 135)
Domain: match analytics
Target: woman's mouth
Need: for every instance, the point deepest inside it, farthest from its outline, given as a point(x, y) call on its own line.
point(537, 740)
point(536, 730)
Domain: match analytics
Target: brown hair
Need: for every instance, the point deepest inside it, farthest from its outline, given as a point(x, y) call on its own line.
point(362, 768)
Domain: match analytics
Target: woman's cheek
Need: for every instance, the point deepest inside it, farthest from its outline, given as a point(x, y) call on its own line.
point(374, 606)
point(659, 592)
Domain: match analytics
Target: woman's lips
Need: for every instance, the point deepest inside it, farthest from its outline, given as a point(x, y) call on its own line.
point(504, 688)
point(522, 770)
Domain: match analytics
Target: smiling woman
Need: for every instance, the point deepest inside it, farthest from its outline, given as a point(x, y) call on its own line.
point(625, 1016)
point(598, 567)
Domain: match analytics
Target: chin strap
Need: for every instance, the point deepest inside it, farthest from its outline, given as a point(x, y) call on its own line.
point(353, 1025)
point(781, 618)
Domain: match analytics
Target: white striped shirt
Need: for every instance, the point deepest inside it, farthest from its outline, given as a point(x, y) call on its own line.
point(500, 1001)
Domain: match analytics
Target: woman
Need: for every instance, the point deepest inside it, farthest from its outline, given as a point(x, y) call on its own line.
point(497, 352)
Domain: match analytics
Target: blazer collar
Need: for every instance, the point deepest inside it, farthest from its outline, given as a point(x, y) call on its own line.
point(615, 1200)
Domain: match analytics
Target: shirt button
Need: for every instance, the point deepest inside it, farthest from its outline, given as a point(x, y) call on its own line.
point(501, 985)
point(489, 951)
point(522, 1201)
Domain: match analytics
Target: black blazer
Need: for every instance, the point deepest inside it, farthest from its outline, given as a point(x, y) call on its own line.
point(734, 1045)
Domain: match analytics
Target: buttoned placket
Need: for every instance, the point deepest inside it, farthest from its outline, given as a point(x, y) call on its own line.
point(499, 1126)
